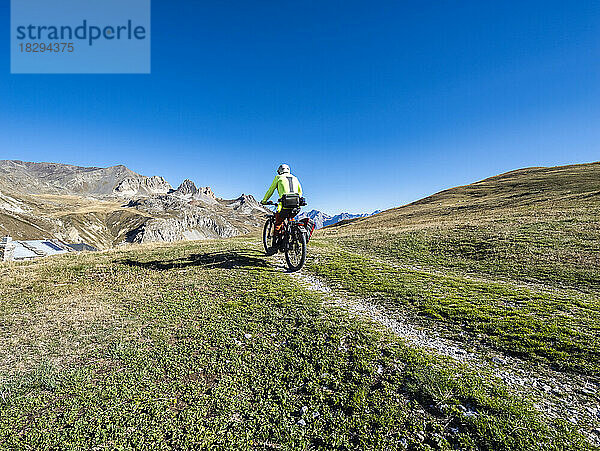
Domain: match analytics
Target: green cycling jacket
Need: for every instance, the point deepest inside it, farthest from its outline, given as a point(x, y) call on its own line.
point(285, 184)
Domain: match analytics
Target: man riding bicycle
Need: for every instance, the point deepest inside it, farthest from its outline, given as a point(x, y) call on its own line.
point(286, 183)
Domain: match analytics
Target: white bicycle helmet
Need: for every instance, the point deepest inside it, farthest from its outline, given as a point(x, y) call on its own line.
point(283, 169)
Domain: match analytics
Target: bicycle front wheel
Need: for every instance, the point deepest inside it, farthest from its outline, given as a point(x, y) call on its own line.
point(295, 251)
point(268, 239)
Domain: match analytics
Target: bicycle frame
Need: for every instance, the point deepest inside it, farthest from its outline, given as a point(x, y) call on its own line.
point(292, 239)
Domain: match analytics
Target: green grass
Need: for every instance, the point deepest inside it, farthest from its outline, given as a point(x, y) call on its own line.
point(511, 263)
point(561, 328)
point(209, 346)
point(562, 253)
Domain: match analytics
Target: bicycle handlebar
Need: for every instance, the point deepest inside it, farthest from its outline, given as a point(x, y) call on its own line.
point(270, 203)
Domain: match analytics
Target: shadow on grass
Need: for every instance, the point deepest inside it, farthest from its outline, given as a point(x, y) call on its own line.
point(223, 260)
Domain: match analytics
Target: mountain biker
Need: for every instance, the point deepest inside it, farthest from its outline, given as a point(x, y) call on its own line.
point(286, 183)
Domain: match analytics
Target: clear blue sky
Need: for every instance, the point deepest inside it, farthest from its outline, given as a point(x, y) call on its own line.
point(373, 104)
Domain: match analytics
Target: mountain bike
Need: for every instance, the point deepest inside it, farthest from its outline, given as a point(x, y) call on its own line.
point(292, 241)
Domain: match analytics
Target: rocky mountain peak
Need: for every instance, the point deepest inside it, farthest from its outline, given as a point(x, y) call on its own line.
point(140, 185)
point(248, 199)
point(207, 191)
point(187, 188)
point(246, 203)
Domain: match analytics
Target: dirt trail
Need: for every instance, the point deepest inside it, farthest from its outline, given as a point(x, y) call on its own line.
point(572, 397)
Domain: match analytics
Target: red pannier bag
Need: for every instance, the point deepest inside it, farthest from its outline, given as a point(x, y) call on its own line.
point(309, 225)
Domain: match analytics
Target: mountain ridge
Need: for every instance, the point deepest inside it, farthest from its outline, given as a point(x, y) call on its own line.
point(111, 206)
point(323, 219)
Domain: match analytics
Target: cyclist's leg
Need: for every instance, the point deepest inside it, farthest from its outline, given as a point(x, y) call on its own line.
point(278, 226)
point(281, 215)
point(279, 218)
point(279, 229)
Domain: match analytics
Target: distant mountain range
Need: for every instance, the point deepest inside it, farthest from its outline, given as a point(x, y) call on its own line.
point(324, 220)
point(106, 207)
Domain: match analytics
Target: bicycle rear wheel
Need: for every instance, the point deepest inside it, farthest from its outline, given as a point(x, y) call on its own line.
point(268, 238)
point(295, 251)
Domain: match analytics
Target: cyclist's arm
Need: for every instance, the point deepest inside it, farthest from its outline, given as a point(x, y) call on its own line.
point(270, 191)
point(299, 188)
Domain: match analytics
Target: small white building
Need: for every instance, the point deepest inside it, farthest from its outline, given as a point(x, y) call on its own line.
point(7, 248)
point(20, 250)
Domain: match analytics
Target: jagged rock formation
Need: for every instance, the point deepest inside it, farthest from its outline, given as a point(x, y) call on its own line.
point(189, 190)
point(175, 218)
point(190, 226)
point(246, 204)
point(207, 191)
point(136, 186)
point(111, 206)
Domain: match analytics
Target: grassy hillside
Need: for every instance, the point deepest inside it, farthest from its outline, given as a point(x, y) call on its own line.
point(537, 225)
point(522, 193)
